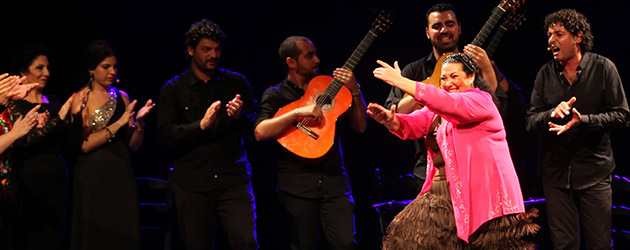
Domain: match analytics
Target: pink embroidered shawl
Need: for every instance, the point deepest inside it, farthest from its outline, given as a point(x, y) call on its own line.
point(479, 169)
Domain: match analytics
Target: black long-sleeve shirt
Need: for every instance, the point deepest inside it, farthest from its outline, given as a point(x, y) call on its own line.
point(582, 156)
point(308, 178)
point(199, 155)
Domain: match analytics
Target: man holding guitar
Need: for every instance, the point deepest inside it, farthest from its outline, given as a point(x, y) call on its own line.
point(314, 191)
point(443, 31)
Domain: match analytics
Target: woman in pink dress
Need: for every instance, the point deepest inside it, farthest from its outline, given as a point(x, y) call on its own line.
point(472, 198)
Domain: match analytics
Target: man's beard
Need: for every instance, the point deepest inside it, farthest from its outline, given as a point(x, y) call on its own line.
point(445, 49)
point(204, 68)
point(310, 73)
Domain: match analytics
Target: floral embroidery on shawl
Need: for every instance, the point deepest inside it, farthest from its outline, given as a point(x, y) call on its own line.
point(5, 157)
point(420, 88)
point(459, 207)
point(504, 205)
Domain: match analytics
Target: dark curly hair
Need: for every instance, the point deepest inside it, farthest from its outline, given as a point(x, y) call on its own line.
point(204, 28)
point(441, 7)
point(470, 67)
point(575, 22)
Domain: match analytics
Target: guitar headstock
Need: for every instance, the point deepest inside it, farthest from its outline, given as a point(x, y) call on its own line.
point(514, 16)
point(509, 5)
point(382, 22)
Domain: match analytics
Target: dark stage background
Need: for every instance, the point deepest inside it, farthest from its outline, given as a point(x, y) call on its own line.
point(150, 39)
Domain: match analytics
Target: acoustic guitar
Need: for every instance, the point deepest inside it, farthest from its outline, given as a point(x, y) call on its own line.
point(515, 13)
point(312, 138)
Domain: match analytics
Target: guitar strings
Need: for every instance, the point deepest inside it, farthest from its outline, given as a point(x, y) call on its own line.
point(320, 102)
point(350, 64)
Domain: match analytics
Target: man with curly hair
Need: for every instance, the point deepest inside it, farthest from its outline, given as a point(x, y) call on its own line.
point(203, 116)
point(577, 102)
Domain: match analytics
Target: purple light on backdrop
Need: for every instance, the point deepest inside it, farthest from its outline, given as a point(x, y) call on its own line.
point(622, 178)
point(533, 200)
point(149, 178)
point(621, 207)
point(153, 204)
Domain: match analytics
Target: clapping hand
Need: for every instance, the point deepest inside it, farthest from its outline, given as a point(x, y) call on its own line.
point(144, 110)
point(564, 108)
point(42, 119)
point(129, 112)
point(25, 123)
point(210, 116)
point(11, 89)
point(575, 120)
point(234, 107)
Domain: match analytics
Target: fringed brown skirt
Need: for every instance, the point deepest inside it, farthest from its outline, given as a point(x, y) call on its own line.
point(428, 223)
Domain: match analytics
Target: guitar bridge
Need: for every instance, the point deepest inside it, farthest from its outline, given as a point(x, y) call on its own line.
point(306, 130)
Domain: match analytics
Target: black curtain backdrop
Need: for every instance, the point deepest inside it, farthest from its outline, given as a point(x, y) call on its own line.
point(150, 39)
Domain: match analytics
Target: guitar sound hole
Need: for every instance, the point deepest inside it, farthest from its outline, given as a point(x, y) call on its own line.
point(324, 102)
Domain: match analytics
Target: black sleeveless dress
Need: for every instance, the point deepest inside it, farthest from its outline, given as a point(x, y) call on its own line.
point(105, 203)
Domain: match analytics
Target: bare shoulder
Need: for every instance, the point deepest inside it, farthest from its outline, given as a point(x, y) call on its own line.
point(124, 95)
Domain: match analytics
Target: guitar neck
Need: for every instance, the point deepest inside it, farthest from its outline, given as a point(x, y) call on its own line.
point(481, 37)
point(494, 41)
point(352, 62)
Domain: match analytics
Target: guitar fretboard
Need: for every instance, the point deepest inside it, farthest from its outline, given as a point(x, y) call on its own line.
point(481, 37)
point(494, 42)
point(351, 63)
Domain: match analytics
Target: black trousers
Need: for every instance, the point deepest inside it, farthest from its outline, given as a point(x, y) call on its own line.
point(587, 210)
point(335, 217)
point(230, 202)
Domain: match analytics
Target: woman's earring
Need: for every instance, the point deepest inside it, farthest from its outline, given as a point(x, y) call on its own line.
point(91, 79)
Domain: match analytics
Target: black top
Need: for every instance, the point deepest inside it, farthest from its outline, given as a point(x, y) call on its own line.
point(50, 138)
point(308, 178)
point(40, 178)
point(417, 71)
point(218, 150)
point(582, 156)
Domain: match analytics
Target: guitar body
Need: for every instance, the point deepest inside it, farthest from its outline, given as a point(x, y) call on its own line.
point(311, 138)
point(434, 79)
point(304, 144)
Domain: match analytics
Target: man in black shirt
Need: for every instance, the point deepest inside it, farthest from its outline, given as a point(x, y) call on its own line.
point(203, 115)
point(577, 101)
point(315, 192)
